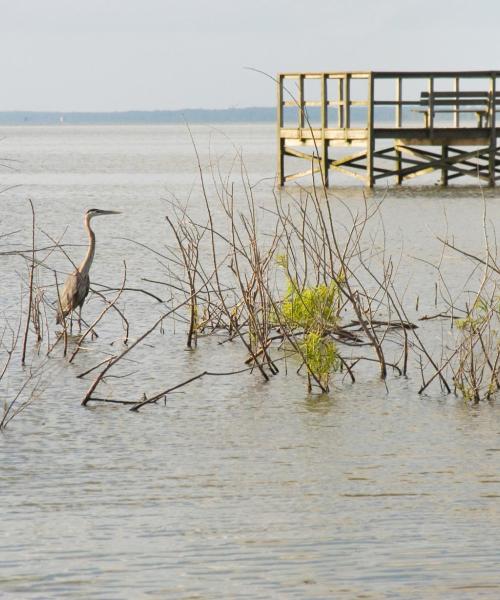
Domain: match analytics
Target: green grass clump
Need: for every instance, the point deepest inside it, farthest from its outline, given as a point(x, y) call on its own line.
point(314, 310)
point(321, 356)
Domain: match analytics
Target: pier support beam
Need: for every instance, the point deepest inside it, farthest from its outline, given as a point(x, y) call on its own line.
point(444, 168)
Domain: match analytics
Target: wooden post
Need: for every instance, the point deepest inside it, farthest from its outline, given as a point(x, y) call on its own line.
point(324, 126)
point(493, 131)
point(281, 141)
point(399, 122)
point(456, 114)
point(431, 106)
point(301, 103)
point(347, 101)
point(370, 142)
point(444, 168)
point(340, 113)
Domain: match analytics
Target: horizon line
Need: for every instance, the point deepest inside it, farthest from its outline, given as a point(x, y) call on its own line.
point(132, 110)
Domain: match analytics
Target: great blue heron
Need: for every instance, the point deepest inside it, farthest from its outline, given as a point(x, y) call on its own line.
point(77, 285)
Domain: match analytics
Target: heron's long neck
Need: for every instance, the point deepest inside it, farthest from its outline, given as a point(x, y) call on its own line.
point(86, 263)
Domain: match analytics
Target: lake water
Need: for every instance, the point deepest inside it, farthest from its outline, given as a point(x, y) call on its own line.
point(234, 488)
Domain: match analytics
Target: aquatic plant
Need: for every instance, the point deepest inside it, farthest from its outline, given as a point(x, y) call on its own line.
point(313, 311)
point(474, 361)
point(320, 356)
point(476, 368)
point(311, 308)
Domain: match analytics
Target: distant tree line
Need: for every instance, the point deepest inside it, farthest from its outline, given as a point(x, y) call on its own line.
point(266, 114)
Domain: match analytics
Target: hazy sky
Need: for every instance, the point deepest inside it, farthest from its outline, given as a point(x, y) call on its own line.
point(163, 54)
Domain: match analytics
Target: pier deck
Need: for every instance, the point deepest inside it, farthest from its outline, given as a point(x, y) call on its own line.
point(402, 124)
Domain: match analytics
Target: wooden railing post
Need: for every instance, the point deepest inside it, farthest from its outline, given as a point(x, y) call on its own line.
point(493, 130)
point(347, 101)
point(431, 106)
point(370, 142)
point(301, 106)
point(324, 126)
point(281, 141)
point(399, 122)
point(456, 115)
point(340, 106)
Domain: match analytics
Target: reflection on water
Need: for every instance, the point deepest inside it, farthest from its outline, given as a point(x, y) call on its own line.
point(234, 488)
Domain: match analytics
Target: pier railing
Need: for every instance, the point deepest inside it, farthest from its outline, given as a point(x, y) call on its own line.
point(356, 108)
point(373, 90)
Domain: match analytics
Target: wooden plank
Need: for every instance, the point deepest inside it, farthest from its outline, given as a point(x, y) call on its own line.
point(298, 154)
point(301, 174)
point(418, 136)
point(469, 173)
point(476, 111)
point(384, 172)
point(454, 93)
point(347, 143)
point(405, 159)
point(437, 163)
point(295, 103)
point(480, 102)
point(340, 143)
point(348, 134)
point(396, 103)
point(484, 156)
point(467, 74)
point(345, 160)
point(330, 134)
point(334, 103)
point(426, 154)
point(434, 155)
point(314, 157)
point(347, 172)
point(426, 141)
point(330, 74)
point(435, 74)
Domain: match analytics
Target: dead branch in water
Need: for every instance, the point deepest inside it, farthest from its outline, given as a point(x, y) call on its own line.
point(30, 293)
point(116, 359)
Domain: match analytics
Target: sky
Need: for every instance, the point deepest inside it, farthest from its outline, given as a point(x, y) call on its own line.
point(113, 55)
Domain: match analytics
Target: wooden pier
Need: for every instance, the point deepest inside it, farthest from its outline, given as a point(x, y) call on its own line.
point(395, 120)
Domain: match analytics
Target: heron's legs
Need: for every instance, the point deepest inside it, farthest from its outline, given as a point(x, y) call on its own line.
point(80, 319)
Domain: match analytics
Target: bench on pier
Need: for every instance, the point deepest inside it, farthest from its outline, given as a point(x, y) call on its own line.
point(457, 102)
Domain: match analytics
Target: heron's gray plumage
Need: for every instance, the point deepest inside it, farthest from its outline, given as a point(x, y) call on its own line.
point(77, 285)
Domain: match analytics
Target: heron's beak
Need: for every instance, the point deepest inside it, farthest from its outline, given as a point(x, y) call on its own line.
point(110, 212)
